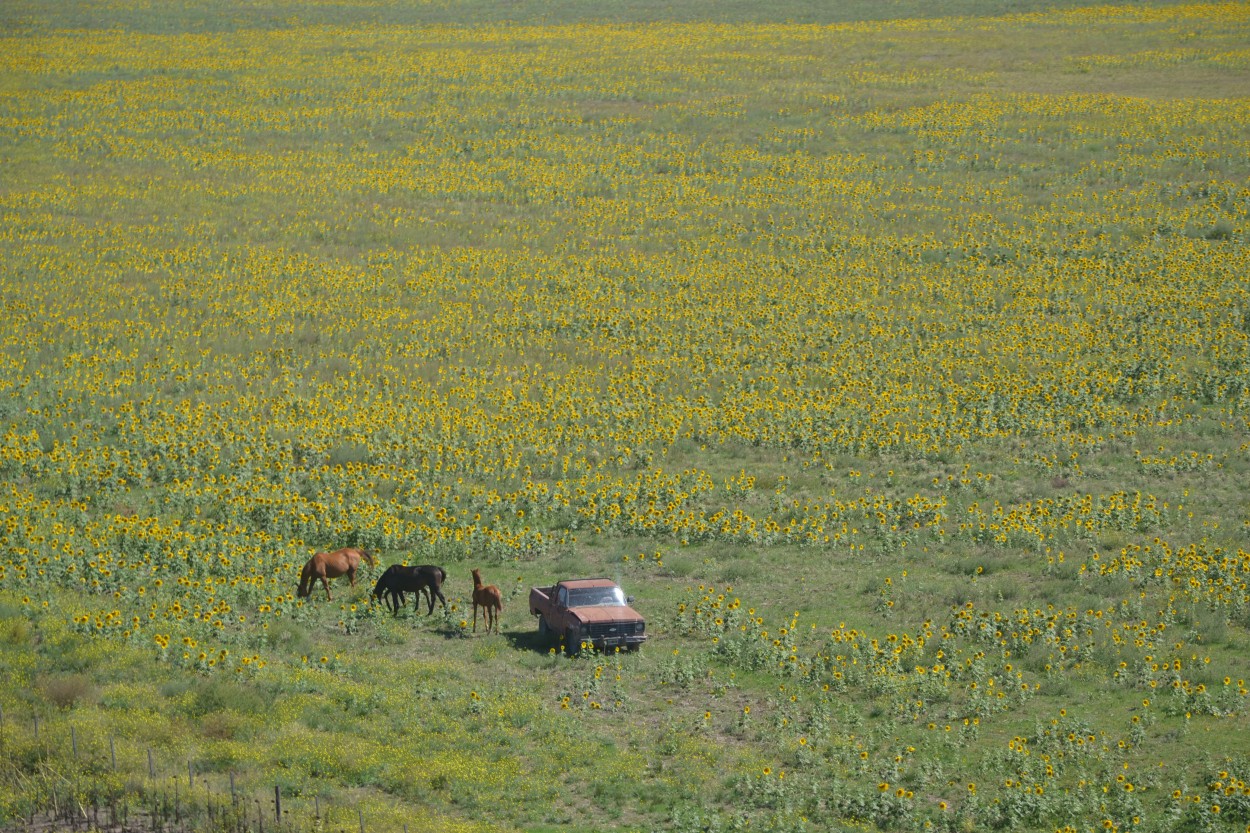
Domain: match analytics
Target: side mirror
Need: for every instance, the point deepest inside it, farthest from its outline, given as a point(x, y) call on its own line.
point(629, 600)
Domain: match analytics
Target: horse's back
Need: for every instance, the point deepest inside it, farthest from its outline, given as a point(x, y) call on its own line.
point(424, 575)
point(488, 595)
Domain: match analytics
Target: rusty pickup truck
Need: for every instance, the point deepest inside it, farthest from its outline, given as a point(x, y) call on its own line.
point(591, 611)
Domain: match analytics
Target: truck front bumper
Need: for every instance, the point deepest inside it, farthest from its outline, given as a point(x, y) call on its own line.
point(603, 643)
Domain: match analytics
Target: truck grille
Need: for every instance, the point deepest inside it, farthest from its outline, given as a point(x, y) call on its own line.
point(610, 630)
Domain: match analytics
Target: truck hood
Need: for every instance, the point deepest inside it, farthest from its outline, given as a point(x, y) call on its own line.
point(599, 614)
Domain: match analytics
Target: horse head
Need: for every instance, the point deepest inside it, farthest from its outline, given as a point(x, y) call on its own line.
point(380, 587)
point(305, 583)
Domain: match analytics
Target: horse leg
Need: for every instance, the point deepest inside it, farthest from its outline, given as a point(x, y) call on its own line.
point(326, 584)
point(440, 598)
point(475, 616)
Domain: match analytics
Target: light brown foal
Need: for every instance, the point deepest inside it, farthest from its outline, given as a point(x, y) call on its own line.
point(488, 597)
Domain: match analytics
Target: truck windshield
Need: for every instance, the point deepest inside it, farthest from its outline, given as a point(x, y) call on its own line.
point(591, 596)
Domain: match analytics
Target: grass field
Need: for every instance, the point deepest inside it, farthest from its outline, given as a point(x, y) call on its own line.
point(895, 356)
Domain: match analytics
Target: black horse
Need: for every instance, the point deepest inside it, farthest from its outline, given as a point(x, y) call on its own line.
point(399, 579)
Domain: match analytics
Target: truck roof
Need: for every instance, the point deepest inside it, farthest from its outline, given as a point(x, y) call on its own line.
point(576, 583)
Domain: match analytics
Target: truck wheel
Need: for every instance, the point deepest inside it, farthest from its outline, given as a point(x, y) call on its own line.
point(572, 642)
point(544, 630)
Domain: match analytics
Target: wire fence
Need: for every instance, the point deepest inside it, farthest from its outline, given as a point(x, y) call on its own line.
point(57, 778)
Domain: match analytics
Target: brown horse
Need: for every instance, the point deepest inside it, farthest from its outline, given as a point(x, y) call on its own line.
point(328, 565)
point(488, 597)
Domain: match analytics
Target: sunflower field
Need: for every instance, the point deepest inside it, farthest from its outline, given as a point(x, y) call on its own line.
point(894, 357)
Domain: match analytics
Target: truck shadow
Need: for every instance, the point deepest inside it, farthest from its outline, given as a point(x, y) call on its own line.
point(530, 640)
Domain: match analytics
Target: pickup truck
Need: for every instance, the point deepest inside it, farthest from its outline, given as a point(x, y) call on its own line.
point(587, 610)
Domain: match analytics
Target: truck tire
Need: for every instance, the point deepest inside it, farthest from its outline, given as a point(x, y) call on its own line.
point(544, 630)
point(572, 642)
